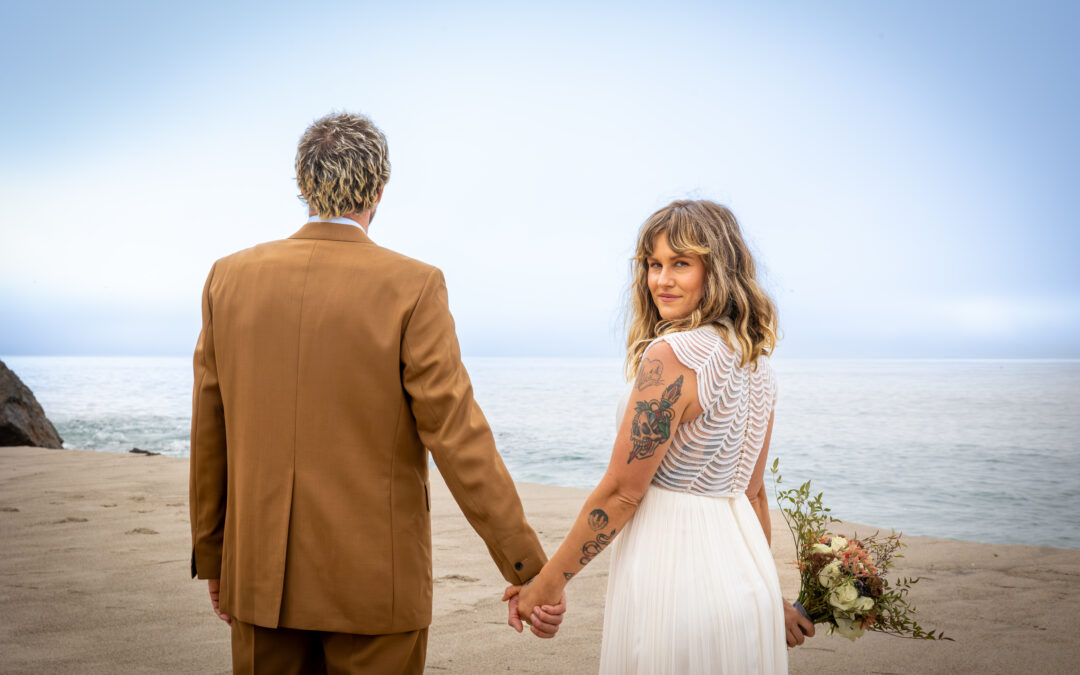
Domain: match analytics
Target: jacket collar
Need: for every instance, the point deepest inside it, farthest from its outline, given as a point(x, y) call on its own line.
point(333, 232)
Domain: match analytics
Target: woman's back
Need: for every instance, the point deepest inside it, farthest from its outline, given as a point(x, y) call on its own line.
point(714, 454)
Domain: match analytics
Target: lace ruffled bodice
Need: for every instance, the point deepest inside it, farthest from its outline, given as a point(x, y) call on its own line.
point(714, 454)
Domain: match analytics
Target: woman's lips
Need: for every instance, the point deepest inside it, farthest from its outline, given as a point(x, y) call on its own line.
point(668, 297)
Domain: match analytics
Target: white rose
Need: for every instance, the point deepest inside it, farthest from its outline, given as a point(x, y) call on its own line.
point(820, 548)
point(837, 543)
point(864, 604)
point(848, 628)
point(844, 596)
point(829, 574)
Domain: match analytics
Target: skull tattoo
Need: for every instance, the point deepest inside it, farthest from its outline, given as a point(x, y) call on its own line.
point(651, 425)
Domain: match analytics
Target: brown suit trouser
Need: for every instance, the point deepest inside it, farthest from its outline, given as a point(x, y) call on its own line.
point(289, 651)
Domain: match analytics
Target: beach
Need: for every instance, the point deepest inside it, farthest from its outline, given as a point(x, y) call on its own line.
point(96, 559)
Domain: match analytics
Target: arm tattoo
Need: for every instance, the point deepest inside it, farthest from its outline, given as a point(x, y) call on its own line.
point(598, 520)
point(591, 549)
point(568, 575)
point(652, 422)
point(649, 374)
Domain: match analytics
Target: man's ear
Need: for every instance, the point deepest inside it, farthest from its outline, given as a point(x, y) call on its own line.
point(379, 198)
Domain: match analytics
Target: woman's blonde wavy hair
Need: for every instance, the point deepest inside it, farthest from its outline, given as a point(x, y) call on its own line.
point(342, 164)
point(732, 299)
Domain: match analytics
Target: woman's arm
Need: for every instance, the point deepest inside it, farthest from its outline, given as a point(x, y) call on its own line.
point(796, 627)
point(755, 490)
point(663, 393)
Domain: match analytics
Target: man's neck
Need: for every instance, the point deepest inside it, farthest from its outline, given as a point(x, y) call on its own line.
point(362, 219)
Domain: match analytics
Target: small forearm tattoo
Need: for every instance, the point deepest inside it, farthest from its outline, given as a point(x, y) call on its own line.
point(592, 548)
point(650, 373)
point(598, 520)
point(651, 426)
point(568, 575)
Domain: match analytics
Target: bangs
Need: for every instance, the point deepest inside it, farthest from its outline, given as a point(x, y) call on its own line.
point(684, 234)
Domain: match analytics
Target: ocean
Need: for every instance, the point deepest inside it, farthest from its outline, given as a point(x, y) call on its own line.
point(979, 450)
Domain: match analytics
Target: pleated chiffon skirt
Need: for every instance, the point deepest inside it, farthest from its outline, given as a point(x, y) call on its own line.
point(692, 589)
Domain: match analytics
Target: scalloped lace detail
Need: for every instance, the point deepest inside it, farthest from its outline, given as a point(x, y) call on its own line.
point(714, 454)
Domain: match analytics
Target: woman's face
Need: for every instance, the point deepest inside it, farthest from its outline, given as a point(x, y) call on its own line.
point(676, 280)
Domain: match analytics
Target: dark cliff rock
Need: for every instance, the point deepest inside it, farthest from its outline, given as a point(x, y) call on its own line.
point(22, 421)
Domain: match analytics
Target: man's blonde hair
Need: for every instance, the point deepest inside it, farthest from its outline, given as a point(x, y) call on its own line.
point(342, 164)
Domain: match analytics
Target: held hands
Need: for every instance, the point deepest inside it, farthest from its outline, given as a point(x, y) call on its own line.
point(543, 620)
point(797, 626)
point(215, 588)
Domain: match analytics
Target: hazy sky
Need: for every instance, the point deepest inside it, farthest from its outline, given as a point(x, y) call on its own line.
point(904, 171)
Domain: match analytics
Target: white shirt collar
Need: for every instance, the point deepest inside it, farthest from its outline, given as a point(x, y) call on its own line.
point(340, 221)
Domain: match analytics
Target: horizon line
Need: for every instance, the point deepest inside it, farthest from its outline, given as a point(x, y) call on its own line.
point(595, 357)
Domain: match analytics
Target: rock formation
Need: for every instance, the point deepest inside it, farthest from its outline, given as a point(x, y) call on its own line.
point(22, 421)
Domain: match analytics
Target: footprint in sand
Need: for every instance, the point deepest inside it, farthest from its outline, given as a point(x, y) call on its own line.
point(456, 577)
point(9, 509)
point(69, 519)
point(141, 530)
point(177, 504)
point(108, 506)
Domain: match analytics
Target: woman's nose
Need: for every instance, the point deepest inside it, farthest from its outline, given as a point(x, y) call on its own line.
point(665, 277)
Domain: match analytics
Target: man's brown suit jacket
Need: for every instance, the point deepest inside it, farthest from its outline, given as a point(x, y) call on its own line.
point(326, 365)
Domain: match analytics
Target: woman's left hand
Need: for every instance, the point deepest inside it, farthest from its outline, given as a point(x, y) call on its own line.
point(797, 626)
point(543, 620)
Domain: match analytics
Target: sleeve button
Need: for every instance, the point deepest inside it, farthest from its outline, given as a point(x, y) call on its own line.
point(518, 566)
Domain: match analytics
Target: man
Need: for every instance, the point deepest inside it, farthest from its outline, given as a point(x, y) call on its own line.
point(326, 365)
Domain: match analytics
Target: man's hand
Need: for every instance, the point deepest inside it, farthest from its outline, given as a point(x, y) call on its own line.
point(798, 627)
point(215, 586)
point(543, 621)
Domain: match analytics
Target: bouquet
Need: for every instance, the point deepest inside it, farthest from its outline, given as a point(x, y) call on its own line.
point(843, 579)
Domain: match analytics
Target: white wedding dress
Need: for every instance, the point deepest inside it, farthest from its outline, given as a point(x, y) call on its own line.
point(693, 587)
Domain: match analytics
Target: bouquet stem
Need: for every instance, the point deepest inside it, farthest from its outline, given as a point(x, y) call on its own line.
point(821, 617)
point(802, 610)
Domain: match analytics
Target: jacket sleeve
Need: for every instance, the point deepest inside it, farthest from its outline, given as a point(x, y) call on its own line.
point(209, 468)
point(454, 430)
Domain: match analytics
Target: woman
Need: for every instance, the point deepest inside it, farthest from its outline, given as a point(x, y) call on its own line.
point(692, 586)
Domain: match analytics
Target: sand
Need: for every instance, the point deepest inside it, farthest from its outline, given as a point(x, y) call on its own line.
point(94, 578)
